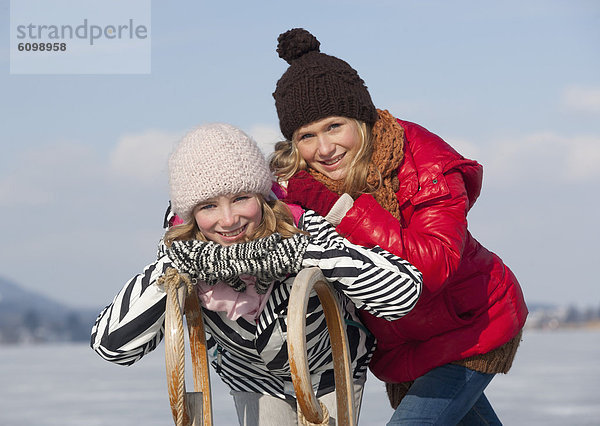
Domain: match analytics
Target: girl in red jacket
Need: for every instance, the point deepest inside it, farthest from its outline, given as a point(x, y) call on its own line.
point(407, 191)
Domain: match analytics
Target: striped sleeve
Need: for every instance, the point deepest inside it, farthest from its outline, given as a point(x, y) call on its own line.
point(375, 280)
point(133, 324)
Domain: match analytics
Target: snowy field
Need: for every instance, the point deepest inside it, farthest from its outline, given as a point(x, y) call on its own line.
point(555, 381)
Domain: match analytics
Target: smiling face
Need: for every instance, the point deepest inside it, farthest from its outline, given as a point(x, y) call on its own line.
point(329, 145)
point(228, 219)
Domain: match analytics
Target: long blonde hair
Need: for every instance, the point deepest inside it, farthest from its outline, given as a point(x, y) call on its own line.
point(286, 161)
point(276, 217)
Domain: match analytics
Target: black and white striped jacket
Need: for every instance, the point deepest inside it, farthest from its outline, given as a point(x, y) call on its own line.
point(252, 356)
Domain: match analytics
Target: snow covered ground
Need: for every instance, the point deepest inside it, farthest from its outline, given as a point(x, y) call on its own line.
point(555, 380)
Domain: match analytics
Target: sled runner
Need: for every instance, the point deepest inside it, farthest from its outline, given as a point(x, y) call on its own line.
point(188, 408)
point(311, 409)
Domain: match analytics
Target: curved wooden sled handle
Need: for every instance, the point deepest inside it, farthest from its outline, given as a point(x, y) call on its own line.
point(306, 280)
point(188, 408)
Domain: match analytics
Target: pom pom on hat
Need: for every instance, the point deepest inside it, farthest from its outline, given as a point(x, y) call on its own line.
point(296, 42)
point(213, 160)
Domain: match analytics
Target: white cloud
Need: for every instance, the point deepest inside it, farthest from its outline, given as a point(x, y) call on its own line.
point(38, 175)
point(582, 99)
point(143, 156)
point(266, 137)
point(466, 148)
point(542, 157)
point(583, 158)
point(54, 172)
point(16, 192)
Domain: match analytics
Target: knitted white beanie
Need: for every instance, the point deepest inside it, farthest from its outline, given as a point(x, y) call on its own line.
point(213, 160)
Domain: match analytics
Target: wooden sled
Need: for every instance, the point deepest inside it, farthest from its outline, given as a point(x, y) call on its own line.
point(195, 409)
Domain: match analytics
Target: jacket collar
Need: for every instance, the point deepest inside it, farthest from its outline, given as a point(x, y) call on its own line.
point(421, 174)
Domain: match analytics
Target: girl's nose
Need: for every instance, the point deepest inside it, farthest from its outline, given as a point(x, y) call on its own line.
point(325, 148)
point(228, 217)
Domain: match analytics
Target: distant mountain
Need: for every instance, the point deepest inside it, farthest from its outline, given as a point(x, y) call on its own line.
point(26, 316)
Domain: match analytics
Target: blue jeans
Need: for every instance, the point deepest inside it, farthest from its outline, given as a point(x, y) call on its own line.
point(447, 395)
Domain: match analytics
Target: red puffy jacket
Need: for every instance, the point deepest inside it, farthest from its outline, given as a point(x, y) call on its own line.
point(471, 302)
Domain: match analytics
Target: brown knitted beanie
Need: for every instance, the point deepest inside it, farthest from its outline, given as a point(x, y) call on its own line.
point(317, 85)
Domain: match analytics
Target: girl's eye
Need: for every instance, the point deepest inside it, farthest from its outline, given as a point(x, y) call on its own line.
point(206, 207)
point(306, 136)
point(241, 198)
point(334, 126)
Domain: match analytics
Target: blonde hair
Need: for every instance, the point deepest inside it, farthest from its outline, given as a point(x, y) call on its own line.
point(276, 217)
point(286, 161)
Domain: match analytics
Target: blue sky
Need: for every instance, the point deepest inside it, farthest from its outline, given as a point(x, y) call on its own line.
point(512, 84)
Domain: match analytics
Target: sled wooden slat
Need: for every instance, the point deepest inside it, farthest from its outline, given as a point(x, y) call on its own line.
point(306, 280)
point(197, 338)
point(188, 408)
